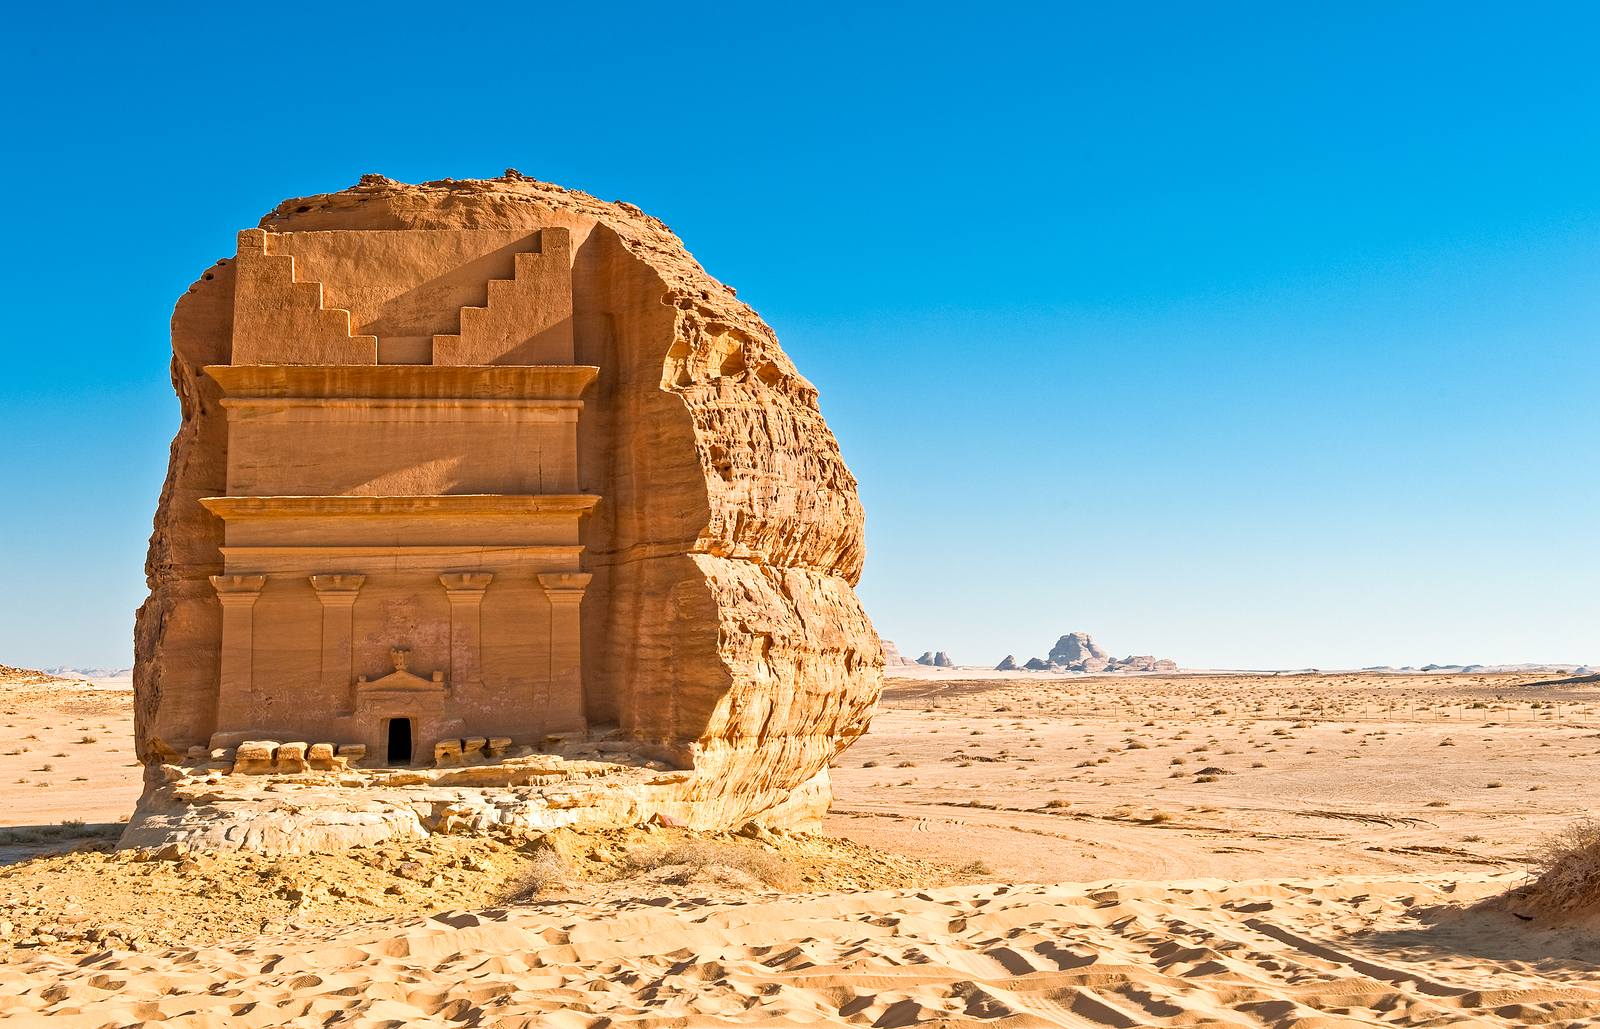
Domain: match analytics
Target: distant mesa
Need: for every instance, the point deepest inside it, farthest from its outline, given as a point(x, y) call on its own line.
point(939, 660)
point(1078, 652)
point(1008, 665)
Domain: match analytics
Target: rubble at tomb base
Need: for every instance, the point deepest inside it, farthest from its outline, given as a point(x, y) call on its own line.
point(478, 468)
point(276, 798)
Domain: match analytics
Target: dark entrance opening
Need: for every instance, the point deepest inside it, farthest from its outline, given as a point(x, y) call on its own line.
point(399, 742)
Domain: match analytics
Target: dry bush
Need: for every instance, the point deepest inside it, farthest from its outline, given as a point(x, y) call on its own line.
point(699, 857)
point(1569, 869)
point(543, 870)
point(72, 829)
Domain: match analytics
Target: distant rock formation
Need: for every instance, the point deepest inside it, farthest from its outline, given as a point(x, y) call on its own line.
point(891, 655)
point(939, 660)
point(1078, 652)
point(1008, 665)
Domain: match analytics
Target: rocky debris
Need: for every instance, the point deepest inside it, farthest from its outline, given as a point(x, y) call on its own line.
point(1007, 665)
point(28, 677)
point(276, 799)
point(891, 655)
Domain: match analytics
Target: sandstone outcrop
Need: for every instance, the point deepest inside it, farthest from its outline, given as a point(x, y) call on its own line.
point(1008, 664)
point(492, 460)
point(891, 655)
point(1078, 652)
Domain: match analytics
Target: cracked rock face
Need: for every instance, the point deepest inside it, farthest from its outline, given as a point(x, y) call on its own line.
point(720, 631)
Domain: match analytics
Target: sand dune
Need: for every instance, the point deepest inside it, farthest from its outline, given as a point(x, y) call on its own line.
point(1273, 952)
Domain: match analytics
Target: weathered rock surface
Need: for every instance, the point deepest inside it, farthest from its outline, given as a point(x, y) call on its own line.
point(720, 630)
point(283, 807)
point(1009, 664)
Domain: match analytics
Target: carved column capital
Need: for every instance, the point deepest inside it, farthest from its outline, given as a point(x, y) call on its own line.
point(564, 587)
point(466, 586)
point(238, 590)
point(338, 588)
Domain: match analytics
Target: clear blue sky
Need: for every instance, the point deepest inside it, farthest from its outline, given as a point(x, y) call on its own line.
point(1257, 335)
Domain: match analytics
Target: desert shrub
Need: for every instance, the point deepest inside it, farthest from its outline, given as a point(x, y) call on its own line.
point(977, 866)
point(543, 870)
point(702, 856)
point(869, 764)
point(1568, 869)
point(1058, 803)
point(71, 829)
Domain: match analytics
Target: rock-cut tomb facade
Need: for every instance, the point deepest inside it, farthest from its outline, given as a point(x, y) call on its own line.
point(473, 470)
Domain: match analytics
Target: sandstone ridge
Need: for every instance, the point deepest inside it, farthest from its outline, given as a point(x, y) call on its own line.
point(497, 460)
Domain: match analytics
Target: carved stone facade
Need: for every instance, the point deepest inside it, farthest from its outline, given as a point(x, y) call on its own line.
point(401, 554)
point(492, 467)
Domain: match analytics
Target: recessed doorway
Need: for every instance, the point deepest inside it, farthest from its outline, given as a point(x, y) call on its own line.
point(399, 752)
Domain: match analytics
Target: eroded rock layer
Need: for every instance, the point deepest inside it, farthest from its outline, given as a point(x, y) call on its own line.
point(720, 631)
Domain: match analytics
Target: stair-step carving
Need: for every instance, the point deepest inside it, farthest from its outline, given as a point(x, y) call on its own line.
point(278, 320)
point(528, 318)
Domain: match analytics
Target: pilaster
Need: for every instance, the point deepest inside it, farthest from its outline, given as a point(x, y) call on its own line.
point(465, 590)
point(338, 595)
point(565, 712)
point(238, 594)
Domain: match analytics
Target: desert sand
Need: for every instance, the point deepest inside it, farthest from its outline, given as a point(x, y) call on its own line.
point(1235, 776)
point(1330, 852)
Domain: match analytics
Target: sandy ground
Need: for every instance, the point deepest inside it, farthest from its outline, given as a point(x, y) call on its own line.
point(1303, 775)
point(1295, 852)
point(66, 751)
